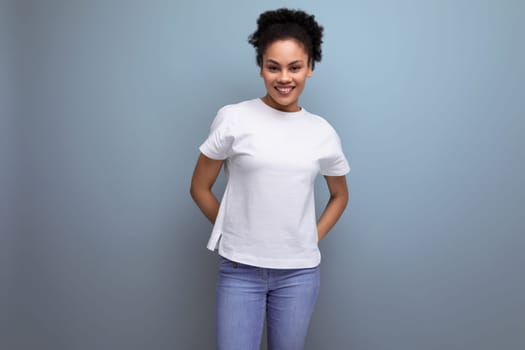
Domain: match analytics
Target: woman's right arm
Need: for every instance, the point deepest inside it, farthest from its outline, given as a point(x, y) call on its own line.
point(204, 176)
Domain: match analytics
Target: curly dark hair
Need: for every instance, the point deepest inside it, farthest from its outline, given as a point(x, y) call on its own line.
point(286, 23)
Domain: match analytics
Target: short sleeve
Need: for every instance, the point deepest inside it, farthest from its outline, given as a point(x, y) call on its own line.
point(333, 161)
point(220, 139)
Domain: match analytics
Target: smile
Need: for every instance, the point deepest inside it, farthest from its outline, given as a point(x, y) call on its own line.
point(285, 90)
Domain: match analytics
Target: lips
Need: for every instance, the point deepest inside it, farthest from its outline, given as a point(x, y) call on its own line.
point(284, 90)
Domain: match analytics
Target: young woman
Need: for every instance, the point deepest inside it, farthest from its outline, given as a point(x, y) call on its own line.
point(265, 227)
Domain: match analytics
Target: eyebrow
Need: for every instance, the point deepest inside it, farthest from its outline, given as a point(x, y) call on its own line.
point(277, 63)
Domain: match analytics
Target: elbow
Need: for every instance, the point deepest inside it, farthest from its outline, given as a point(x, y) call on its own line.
point(193, 192)
point(344, 200)
point(198, 192)
point(346, 196)
point(341, 198)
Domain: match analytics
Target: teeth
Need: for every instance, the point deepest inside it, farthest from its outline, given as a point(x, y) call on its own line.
point(285, 90)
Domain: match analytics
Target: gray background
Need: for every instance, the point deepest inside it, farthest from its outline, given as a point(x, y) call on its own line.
point(102, 248)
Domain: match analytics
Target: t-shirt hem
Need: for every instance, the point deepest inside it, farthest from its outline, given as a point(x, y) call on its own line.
point(336, 173)
point(272, 263)
point(204, 150)
point(213, 241)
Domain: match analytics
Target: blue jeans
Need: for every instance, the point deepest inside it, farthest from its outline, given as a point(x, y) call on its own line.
point(246, 294)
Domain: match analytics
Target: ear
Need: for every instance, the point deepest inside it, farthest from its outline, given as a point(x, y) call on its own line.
point(310, 71)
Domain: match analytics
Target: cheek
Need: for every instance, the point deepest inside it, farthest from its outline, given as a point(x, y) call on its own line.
point(267, 78)
point(301, 80)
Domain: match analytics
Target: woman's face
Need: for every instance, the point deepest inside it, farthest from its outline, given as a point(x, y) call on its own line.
point(284, 71)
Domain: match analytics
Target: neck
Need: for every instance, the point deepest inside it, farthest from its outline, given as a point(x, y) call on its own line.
point(270, 102)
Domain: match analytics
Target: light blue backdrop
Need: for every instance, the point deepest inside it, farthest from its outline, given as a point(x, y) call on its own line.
point(112, 99)
point(8, 141)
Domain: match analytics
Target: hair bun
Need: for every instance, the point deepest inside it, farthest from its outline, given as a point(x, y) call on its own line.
point(296, 18)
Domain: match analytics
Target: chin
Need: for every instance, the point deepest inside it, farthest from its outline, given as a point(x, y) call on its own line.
point(284, 101)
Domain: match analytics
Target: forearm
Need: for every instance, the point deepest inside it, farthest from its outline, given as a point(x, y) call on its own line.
point(334, 208)
point(207, 203)
point(204, 176)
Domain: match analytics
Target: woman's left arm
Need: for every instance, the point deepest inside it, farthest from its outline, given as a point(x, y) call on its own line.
point(335, 206)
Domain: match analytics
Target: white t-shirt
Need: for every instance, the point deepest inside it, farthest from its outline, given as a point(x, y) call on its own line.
point(267, 213)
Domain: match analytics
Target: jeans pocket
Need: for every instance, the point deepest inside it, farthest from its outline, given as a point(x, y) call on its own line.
point(233, 266)
point(227, 263)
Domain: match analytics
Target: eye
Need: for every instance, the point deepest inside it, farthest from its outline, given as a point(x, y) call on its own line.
point(296, 68)
point(273, 68)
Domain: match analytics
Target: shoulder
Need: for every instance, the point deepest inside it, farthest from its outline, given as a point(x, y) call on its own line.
point(228, 116)
point(238, 107)
point(228, 113)
point(234, 113)
point(320, 123)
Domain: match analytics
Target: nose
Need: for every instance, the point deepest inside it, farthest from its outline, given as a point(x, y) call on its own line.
point(284, 77)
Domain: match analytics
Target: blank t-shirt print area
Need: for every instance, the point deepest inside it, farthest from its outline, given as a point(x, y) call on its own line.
point(267, 213)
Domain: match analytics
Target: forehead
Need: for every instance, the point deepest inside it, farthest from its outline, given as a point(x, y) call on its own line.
point(285, 50)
